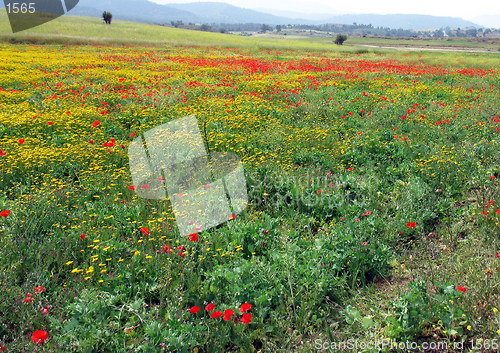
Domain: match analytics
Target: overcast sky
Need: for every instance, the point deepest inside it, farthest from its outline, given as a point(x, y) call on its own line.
point(467, 9)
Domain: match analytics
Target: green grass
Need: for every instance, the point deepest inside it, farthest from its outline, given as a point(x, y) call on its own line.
point(343, 152)
point(446, 42)
point(87, 30)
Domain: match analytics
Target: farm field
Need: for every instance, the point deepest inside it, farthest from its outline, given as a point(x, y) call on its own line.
point(374, 210)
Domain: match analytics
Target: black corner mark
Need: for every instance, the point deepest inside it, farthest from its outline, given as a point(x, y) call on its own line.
point(27, 14)
point(70, 4)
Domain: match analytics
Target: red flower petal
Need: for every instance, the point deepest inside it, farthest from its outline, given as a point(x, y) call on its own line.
point(245, 307)
point(227, 314)
point(194, 309)
point(216, 314)
point(246, 318)
point(461, 289)
point(193, 237)
point(40, 289)
point(5, 213)
point(39, 336)
point(210, 307)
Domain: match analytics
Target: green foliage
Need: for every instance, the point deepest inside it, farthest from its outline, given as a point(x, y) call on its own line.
point(107, 17)
point(340, 39)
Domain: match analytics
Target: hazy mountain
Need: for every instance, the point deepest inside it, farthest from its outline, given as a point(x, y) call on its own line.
point(133, 10)
point(403, 21)
point(300, 15)
point(219, 12)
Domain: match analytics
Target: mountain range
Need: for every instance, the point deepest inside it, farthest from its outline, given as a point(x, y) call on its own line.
point(219, 12)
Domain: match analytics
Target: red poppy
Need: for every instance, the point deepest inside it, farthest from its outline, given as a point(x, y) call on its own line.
point(194, 309)
point(2, 153)
point(39, 336)
point(193, 237)
point(216, 314)
point(3, 348)
point(82, 236)
point(96, 123)
point(498, 255)
point(461, 289)
point(40, 289)
point(245, 307)
point(132, 134)
point(411, 225)
point(167, 248)
point(145, 230)
point(227, 315)
point(90, 141)
point(145, 186)
point(210, 307)
point(50, 122)
point(131, 187)
point(232, 216)
point(350, 169)
point(20, 141)
point(5, 213)
point(28, 299)
point(246, 318)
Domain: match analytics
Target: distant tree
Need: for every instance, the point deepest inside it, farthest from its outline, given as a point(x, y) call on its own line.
point(177, 24)
point(471, 32)
point(205, 28)
point(107, 16)
point(265, 28)
point(340, 39)
point(279, 28)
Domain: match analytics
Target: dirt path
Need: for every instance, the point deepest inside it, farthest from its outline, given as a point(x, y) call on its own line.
point(428, 48)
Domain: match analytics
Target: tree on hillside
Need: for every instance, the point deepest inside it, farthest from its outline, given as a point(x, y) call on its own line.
point(264, 28)
point(340, 39)
point(107, 16)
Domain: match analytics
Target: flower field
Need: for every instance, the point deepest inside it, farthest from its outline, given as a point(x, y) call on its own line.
point(365, 173)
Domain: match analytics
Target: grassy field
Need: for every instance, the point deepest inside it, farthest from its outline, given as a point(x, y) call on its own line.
point(86, 30)
point(372, 176)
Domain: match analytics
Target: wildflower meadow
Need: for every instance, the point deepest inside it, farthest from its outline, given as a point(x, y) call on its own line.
point(373, 185)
